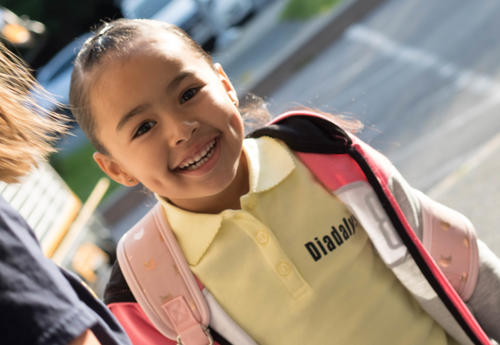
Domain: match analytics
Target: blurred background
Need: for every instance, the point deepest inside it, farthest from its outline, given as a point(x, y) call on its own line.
point(423, 77)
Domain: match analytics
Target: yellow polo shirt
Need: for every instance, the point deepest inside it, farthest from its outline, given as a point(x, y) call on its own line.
point(294, 266)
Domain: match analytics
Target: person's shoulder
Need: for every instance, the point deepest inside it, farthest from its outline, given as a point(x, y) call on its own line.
point(14, 228)
point(117, 289)
point(7, 211)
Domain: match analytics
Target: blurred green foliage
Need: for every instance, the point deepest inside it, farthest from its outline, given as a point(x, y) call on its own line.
point(302, 10)
point(79, 171)
point(33, 8)
point(64, 20)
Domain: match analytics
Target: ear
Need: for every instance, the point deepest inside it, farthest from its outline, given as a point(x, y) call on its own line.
point(228, 86)
point(114, 170)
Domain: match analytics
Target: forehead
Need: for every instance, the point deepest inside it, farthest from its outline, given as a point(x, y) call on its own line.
point(124, 79)
point(154, 44)
point(160, 54)
point(163, 43)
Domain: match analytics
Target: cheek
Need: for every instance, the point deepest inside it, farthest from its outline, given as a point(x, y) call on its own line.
point(136, 161)
point(236, 124)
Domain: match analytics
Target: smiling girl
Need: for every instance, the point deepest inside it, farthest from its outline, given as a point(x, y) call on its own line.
point(291, 260)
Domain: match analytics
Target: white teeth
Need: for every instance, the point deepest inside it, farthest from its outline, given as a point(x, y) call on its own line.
point(200, 158)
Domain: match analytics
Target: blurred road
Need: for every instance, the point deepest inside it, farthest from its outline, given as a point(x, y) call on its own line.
point(423, 76)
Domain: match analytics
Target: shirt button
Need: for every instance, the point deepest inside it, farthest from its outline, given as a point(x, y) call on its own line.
point(283, 268)
point(262, 237)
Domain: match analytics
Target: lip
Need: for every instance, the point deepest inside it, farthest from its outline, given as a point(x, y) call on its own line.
point(207, 166)
point(194, 151)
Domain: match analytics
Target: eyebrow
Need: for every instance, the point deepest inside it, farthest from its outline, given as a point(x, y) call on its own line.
point(137, 110)
point(142, 107)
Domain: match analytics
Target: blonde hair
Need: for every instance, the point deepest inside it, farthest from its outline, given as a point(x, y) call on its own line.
point(26, 129)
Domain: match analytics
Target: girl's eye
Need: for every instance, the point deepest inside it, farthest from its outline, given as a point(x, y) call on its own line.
point(190, 93)
point(143, 128)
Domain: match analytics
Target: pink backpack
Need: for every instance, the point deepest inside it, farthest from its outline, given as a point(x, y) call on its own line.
point(164, 286)
point(171, 297)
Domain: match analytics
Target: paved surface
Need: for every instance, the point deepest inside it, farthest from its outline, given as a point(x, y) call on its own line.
point(424, 78)
point(269, 49)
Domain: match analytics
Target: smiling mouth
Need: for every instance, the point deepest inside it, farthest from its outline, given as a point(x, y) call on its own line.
point(197, 161)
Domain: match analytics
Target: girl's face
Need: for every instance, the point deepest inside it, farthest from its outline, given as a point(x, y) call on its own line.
point(168, 120)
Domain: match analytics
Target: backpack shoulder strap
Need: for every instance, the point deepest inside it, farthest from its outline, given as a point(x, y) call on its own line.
point(448, 236)
point(323, 147)
point(161, 281)
point(451, 240)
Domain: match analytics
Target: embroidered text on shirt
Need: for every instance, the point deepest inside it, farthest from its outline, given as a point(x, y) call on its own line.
point(329, 242)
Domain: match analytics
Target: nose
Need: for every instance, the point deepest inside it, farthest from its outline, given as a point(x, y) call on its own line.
point(181, 131)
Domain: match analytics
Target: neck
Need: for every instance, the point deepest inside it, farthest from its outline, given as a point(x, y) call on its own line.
point(229, 198)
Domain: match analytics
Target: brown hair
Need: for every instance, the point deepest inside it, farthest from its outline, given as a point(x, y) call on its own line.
point(26, 128)
point(114, 37)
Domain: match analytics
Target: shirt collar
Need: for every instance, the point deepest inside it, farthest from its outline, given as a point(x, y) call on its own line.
point(269, 163)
